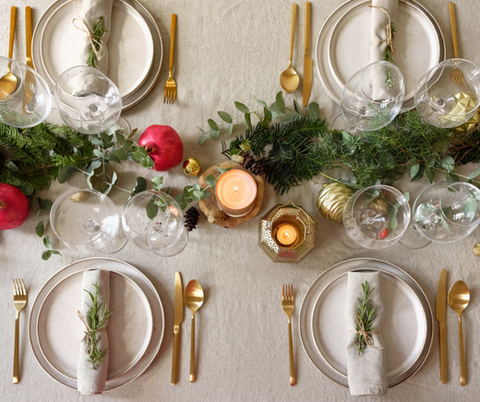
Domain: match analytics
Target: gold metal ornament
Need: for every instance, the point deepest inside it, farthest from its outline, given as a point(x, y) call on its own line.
point(464, 102)
point(295, 216)
point(332, 199)
point(379, 206)
point(470, 124)
point(192, 167)
point(476, 248)
point(80, 196)
point(216, 216)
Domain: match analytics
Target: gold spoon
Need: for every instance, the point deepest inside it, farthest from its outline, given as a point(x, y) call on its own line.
point(289, 79)
point(8, 82)
point(193, 300)
point(458, 299)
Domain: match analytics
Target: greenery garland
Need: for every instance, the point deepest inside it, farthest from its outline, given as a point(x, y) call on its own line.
point(303, 146)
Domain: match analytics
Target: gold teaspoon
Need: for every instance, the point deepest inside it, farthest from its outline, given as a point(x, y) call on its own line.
point(193, 300)
point(458, 299)
point(8, 82)
point(289, 79)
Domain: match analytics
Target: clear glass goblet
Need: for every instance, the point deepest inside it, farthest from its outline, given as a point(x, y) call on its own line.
point(448, 94)
point(373, 96)
point(88, 101)
point(447, 212)
point(376, 217)
point(154, 221)
point(87, 221)
point(30, 103)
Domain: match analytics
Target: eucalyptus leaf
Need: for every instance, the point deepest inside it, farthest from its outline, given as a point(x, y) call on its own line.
point(95, 164)
point(289, 117)
point(447, 163)
point(245, 146)
point(121, 154)
point(98, 154)
point(45, 204)
point(296, 107)
point(419, 173)
point(64, 173)
point(47, 242)
point(230, 129)
point(237, 158)
point(157, 182)
point(197, 195)
point(260, 102)
point(180, 198)
point(46, 255)
point(114, 158)
point(40, 229)
point(213, 125)
point(248, 120)
point(225, 117)
point(392, 217)
point(452, 177)
point(430, 175)
point(241, 107)
point(223, 170)
point(120, 138)
point(211, 181)
point(214, 134)
point(267, 118)
point(152, 209)
point(314, 110)
point(474, 174)
point(140, 186)
point(280, 102)
point(414, 170)
point(202, 138)
point(206, 194)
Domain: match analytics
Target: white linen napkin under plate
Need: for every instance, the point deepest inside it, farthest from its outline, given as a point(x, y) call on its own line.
point(92, 10)
point(367, 372)
point(90, 381)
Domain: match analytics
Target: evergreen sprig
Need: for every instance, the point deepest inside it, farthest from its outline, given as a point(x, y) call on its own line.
point(364, 317)
point(97, 317)
point(98, 31)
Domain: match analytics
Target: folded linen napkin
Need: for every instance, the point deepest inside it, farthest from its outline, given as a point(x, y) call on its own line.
point(90, 381)
point(92, 10)
point(367, 372)
point(381, 18)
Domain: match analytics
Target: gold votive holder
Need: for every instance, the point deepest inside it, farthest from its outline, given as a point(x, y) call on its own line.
point(304, 228)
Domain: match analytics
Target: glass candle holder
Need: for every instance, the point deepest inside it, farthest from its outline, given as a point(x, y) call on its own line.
point(236, 191)
point(287, 233)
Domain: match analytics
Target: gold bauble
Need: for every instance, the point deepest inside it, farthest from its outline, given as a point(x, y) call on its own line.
point(379, 206)
point(476, 248)
point(192, 167)
point(470, 124)
point(332, 199)
point(216, 216)
point(80, 196)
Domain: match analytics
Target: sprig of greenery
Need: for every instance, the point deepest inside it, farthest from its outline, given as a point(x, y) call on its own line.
point(389, 57)
point(44, 207)
point(98, 31)
point(364, 317)
point(97, 319)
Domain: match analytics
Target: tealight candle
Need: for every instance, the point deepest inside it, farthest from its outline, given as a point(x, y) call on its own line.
point(286, 234)
point(236, 191)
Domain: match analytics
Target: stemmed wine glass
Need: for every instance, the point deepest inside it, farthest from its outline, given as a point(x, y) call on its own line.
point(30, 103)
point(376, 217)
point(87, 221)
point(373, 96)
point(445, 213)
point(444, 102)
point(88, 101)
point(154, 221)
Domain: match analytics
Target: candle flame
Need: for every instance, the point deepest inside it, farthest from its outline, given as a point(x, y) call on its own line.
point(235, 191)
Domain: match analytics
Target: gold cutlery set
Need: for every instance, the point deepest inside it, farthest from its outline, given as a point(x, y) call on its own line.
point(193, 299)
point(458, 300)
point(20, 299)
point(170, 91)
point(289, 79)
point(288, 304)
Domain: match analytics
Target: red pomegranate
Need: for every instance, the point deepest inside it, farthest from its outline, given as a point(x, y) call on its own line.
point(164, 146)
point(13, 207)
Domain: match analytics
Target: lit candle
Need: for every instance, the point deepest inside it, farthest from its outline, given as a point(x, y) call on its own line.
point(287, 234)
point(236, 191)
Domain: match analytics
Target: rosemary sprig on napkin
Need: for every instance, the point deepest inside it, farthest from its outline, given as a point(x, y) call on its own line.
point(97, 319)
point(364, 318)
point(389, 57)
point(98, 31)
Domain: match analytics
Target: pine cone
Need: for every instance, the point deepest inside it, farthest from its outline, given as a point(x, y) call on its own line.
point(191, 218)
point(251, 164)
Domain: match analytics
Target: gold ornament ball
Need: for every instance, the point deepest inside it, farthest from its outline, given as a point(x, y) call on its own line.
point(216, 216)
point(192, 167)
point(476, 248)
point(332, 199)
point(379, 206)
point(80, 196)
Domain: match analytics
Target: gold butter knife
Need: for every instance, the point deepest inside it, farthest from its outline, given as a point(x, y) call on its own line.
point(441, 313)
point(307, 61)
point(177, 320)
point(28, 35)
point(29, 77)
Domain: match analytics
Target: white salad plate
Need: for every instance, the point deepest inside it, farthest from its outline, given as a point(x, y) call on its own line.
point(135, 49)
point(344, 42)
point(135, 329)
point(407, 328)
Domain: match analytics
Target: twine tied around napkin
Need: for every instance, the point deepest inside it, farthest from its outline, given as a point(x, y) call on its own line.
point(388, 28)
point(87, 334)
point(94, 42)
point(366, 334)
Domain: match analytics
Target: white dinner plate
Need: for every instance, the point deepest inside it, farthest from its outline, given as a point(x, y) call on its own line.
point(407, 329)
point(135, 47)
point(135, 329)
point(342, 51)
point(129, 329)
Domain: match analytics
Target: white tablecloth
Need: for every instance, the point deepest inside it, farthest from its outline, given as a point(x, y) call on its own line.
point(229, 51)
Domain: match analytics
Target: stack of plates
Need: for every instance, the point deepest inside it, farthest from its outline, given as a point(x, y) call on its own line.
point(343, 45)
point(407, 328)
point(135, 47)
point(135, 329)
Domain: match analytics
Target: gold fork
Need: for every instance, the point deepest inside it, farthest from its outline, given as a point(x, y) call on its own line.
point(19, 301)
point(170, 86)
point(288, 303)
point(457, 75)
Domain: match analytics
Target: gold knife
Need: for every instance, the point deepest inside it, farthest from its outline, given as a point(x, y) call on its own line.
point(28, 35)
point(307, 61)
point(177, 320)
point(441, 307)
